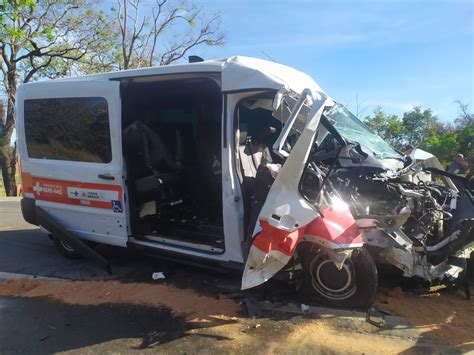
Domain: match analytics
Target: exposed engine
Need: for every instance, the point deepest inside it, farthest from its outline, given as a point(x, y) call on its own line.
point(429, 205)
point(412, 226)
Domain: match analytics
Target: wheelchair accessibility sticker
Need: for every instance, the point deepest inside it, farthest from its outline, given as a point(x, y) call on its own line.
point(117, 206)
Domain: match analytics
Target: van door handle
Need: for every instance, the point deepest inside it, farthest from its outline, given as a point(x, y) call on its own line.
point(106, 177)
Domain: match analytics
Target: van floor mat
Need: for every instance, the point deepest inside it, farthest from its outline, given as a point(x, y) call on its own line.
point(208, 235)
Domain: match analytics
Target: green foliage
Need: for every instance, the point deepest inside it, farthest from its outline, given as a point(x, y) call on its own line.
point(422, 129)
point(192, 22)
point(466, 143)
point(45, 38)
point(10, 9)
point(390, 128)
point(443, 146)
point(419, 125)
point(49, 34)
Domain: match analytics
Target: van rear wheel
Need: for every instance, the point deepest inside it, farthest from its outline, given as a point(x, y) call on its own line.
point(66, 250)
point(353, 286)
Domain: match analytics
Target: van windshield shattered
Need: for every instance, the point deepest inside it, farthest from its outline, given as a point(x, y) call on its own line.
point(351, 128)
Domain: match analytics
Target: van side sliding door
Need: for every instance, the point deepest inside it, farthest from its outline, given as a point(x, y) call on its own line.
point(71, 153)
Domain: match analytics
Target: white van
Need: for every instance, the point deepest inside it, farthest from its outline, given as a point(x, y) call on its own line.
point(207, 161)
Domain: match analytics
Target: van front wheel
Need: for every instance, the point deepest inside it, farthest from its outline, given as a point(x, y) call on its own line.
point(353, 286)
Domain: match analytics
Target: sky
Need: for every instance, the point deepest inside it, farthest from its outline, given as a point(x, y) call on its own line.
point(395, 54)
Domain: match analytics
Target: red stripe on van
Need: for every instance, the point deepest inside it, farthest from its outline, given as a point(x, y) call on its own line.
point(72, 192)
point(272, 238)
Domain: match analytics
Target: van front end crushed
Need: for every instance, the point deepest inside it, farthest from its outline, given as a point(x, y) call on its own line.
point(271, 251)
point(336, 269)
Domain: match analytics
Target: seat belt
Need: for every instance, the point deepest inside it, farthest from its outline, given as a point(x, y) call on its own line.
point(248, 142)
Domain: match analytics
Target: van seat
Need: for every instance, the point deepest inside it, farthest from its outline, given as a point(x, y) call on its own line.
point(162, 170)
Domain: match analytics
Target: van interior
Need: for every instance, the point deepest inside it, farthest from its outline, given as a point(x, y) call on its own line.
point(172, 150)
point(256, 130)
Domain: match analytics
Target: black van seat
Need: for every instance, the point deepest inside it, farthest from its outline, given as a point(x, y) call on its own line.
point(138, 137)
point(163, 170)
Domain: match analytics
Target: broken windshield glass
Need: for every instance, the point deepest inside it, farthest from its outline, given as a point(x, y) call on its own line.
point(352, 129)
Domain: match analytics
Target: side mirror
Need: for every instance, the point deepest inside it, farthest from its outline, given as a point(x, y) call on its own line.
point(311, 184)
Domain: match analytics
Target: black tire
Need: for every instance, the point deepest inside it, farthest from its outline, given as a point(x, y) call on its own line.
point(66, 250)
point(354, 286)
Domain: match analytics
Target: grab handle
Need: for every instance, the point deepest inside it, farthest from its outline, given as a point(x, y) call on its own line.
point(106, 177)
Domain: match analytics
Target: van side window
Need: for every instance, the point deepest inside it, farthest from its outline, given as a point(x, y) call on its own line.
point(74, 129)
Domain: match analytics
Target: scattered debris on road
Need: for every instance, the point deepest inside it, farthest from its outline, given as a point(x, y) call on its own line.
point(158, 276)
point(304, 307)
point(441, 313)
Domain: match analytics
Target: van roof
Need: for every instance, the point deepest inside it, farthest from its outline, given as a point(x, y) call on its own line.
point(237, 73)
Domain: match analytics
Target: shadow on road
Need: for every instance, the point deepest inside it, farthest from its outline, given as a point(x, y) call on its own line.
point(42, 326)
point(32, 252)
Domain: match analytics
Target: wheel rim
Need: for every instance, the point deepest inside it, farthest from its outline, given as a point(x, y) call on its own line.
point(66, 246)
point(330, 282)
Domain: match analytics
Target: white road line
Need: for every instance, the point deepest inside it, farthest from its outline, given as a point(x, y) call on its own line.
point(7, 199)
point(13, 276)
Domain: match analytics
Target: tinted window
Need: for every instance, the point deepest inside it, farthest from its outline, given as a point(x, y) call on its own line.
point(68, 129)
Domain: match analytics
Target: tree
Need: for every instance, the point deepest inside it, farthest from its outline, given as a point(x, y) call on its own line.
point(419, 125)
point(465, 118)
point(443, 146)
point(466, 143)
point(163, 35)
point(35, 37)
point(449, 140)
point(2, 116)
point(390, 128)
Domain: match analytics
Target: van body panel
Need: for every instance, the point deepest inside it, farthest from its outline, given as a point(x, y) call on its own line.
point(239, 73)
point(285, 213)
point(87, 197)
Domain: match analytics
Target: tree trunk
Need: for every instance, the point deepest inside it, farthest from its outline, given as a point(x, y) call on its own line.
point(8, 157)
point(8, 161)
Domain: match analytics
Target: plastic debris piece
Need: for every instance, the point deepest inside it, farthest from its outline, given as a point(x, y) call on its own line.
point(158, 276)
point(304, 307)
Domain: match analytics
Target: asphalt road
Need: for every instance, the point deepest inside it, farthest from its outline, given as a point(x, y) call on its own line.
point(25, 249)
point(41, 325)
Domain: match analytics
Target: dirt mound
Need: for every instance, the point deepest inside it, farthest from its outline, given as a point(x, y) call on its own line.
point(181, 301)
point(443, 314)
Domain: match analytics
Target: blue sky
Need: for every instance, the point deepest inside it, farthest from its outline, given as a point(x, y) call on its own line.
point(390, 53)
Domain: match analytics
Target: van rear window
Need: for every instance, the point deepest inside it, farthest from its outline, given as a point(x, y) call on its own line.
point(74, 129)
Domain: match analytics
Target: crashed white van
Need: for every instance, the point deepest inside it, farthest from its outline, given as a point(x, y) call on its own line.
point(228, 162)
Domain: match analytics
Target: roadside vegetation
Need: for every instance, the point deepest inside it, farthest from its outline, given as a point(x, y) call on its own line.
point(424, 130)
point(51, 39)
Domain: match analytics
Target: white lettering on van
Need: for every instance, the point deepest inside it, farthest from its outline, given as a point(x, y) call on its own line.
point(45, 188)
point(91, 194)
